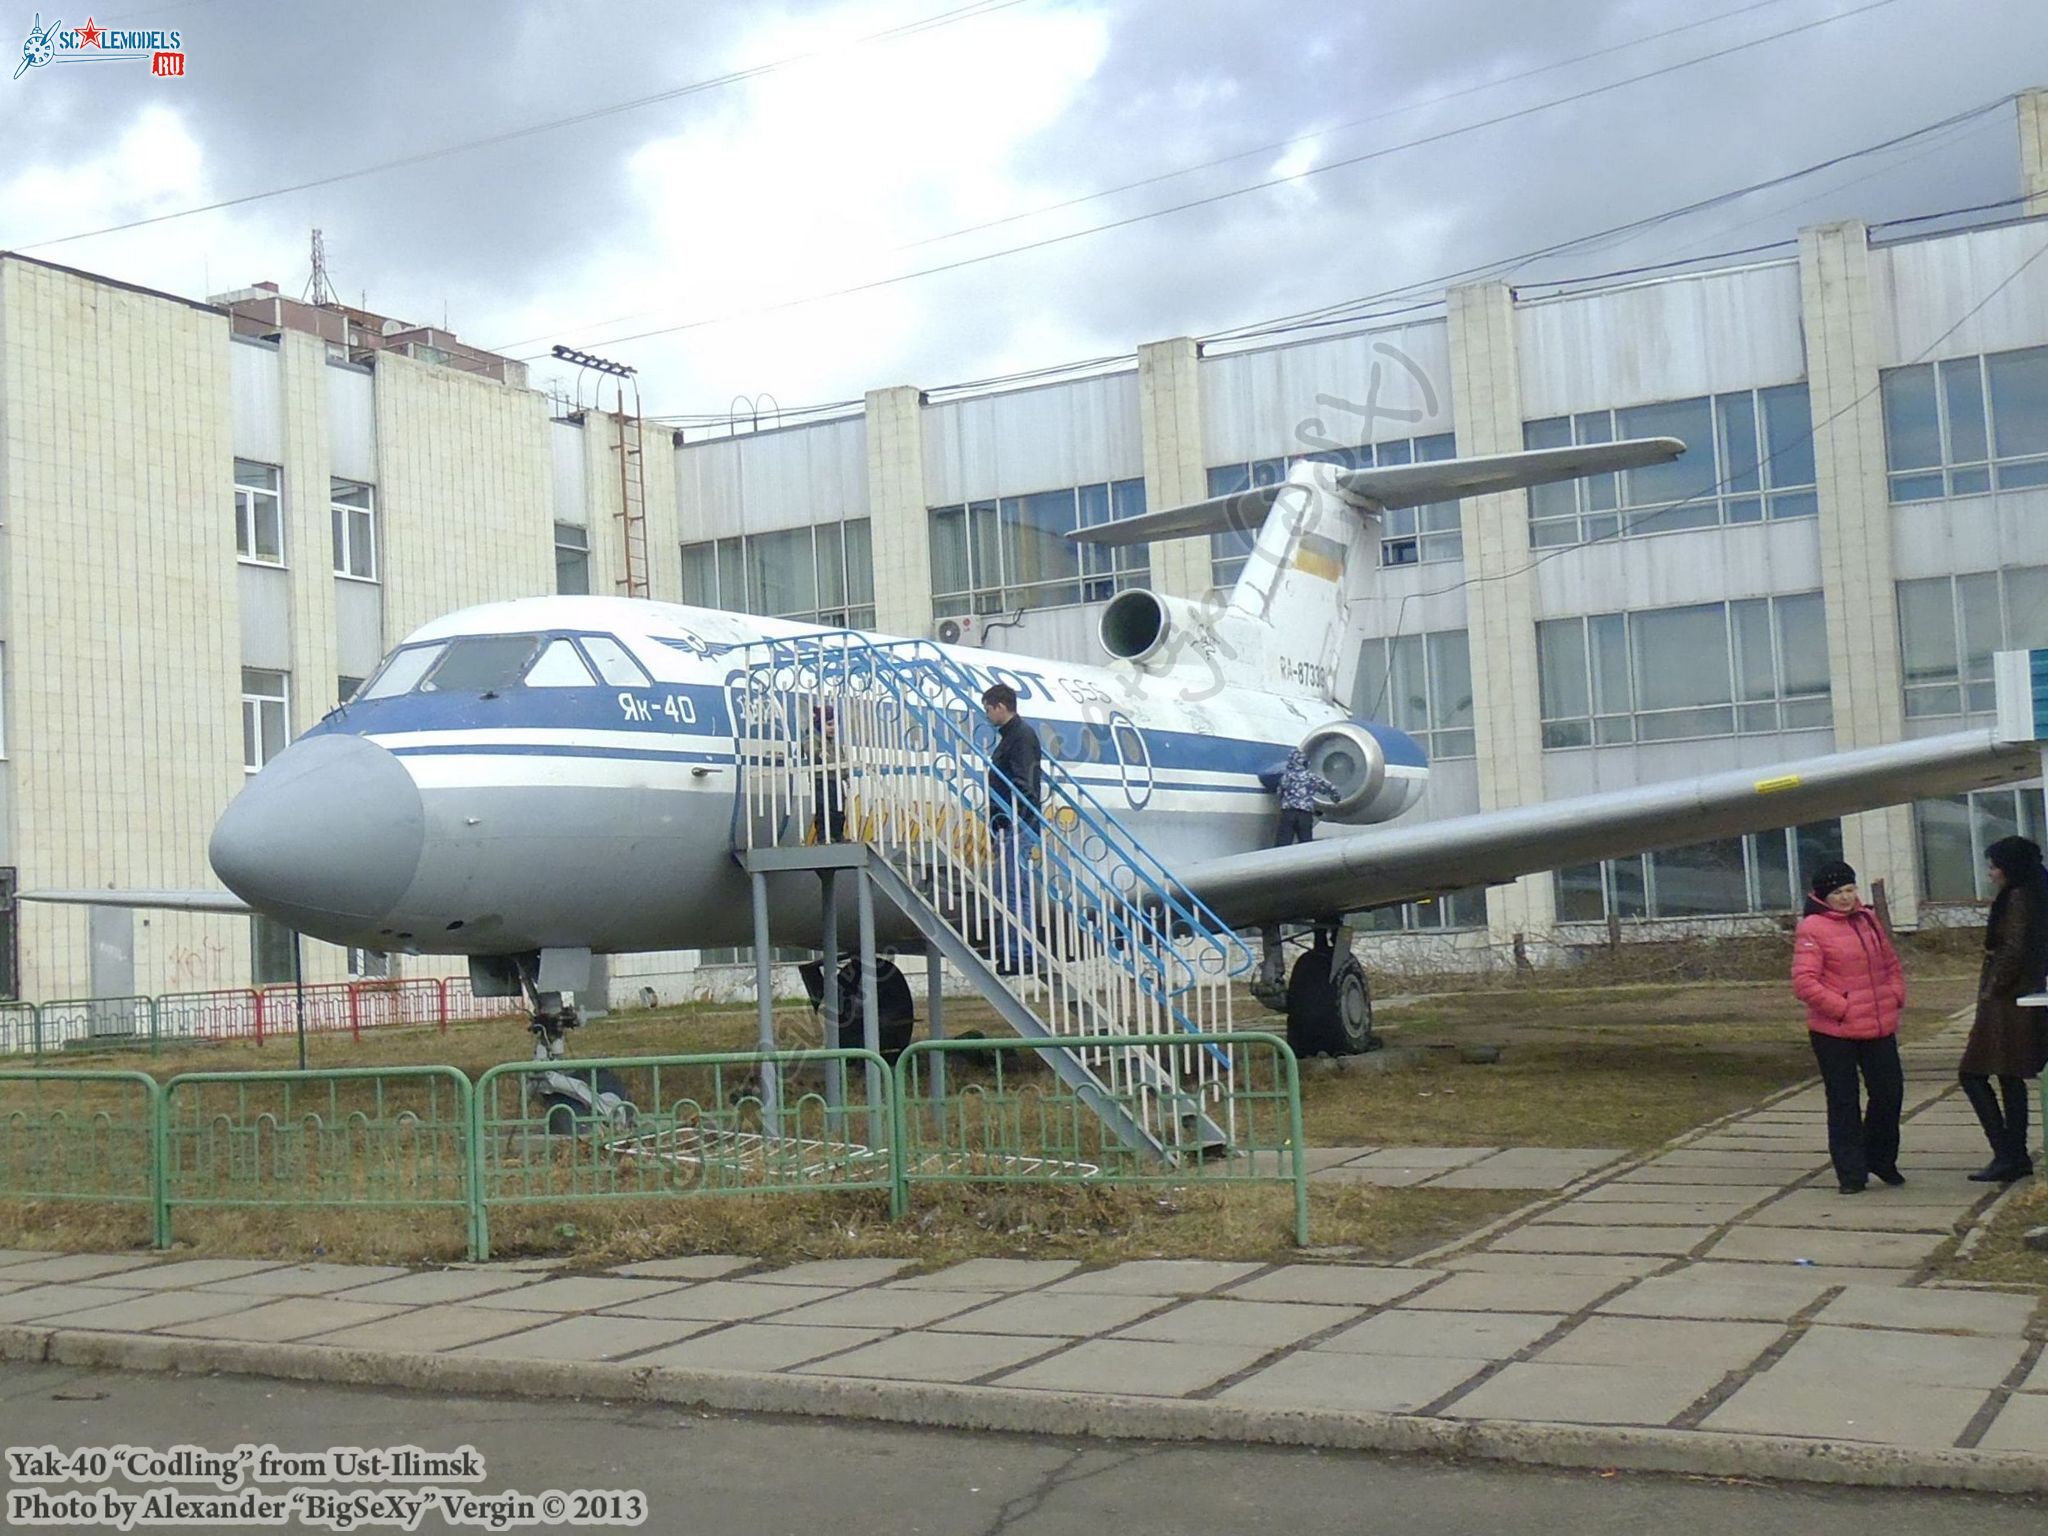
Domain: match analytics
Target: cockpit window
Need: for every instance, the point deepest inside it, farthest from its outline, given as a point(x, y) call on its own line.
point(481, 664)
point(560, 666)
point(615, 664)
point(401, 674)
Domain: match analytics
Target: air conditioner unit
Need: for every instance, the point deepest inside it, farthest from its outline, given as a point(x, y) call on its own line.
point(958, 631)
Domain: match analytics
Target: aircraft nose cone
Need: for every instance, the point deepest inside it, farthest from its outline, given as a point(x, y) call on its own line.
point(327, 837)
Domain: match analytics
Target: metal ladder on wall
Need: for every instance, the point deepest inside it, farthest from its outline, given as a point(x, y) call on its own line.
point(632, 501)
point(1120, 949)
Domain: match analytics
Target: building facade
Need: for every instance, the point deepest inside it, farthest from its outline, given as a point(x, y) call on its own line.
point(1860, 520)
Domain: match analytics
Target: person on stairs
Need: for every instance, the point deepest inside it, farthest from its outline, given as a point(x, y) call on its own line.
point(1014, 789)
point(1846, 971)
point(2009, 1042)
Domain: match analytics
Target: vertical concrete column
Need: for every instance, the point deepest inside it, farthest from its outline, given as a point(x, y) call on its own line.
point(1487, 393)
point(1170, 419)
point(2033, 110)
point(1856, 537)
point(901, 526)
point(309, 527)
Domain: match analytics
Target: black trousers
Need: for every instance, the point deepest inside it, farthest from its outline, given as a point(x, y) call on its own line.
point(2005, 1129)
point(1861, 1140)
point(1295, 827)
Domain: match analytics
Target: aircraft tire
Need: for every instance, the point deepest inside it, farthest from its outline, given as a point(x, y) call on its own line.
point(1326, 1015)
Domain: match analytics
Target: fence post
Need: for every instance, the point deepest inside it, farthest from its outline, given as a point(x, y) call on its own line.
point(259, 1015)
point(899, 1184)
point(35, 1018)
point(153, 1026)
point(1295, 1137)
point(480, 1216)
point(160, 1160)
point(441, 1002)
point(355, 1013)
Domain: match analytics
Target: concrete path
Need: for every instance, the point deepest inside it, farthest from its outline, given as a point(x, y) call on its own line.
point(1716, 1307)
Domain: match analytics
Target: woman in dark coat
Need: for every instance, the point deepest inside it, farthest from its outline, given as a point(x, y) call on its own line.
point(2009, 1042)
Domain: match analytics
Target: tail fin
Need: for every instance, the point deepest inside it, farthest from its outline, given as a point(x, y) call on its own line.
point(1288, 606)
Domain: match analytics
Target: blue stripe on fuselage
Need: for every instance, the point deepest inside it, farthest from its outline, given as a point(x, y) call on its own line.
point(667, 710)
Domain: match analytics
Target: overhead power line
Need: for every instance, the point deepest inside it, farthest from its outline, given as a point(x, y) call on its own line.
point(1265, 184)
point(970, 12)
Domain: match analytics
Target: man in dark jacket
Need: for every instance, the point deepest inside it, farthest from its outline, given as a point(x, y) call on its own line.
point(1013, 793)
point(2009, 1042)
point(1304, 794)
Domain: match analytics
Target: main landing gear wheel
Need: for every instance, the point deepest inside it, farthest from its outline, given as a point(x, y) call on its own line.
point(1329, 1005)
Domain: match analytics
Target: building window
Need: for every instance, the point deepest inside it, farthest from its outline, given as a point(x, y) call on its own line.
point(1013, 553)
point(369, 964)
point(1967, 426)
point(1748, 456)
point(1421, 684)
point(270, 952)
point(355, 529)
point(1666, 674)
point(1408, 535)
point(1763, 872)
point(1437, 914)
point(1950, 625)
point(266, 716)
point(1954, 832)
point(259, 513)
point(572, 560)
point(823, 574)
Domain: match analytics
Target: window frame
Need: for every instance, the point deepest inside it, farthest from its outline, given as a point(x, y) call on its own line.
point(1442, 742)
point(248, 511)
point(994, 531)
point(343, 515)
point(1787, 708)
point(1598, 508)
point(727, 562)
point(1951, 475)
point(253, 706)
point(581, 550)
point(1970, 690)
point(1802, 847)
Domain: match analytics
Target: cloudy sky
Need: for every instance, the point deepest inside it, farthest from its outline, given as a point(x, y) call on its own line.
point(709, 237)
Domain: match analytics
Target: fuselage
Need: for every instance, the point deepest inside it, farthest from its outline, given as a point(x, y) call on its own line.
point(560, 772)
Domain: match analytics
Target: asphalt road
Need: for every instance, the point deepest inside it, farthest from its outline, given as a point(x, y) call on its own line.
point(759, 1477)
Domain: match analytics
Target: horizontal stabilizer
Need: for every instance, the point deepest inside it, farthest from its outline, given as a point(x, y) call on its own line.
point(170, 901)
point(1397, 485)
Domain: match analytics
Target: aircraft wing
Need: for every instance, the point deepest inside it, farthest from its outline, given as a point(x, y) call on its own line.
point(1377, 868)
point(1398, 485)
point(172, 901)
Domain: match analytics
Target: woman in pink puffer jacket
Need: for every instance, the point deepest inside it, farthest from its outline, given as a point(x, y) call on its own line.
point(1847, 973)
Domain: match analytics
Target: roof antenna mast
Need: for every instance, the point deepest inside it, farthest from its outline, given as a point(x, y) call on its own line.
point(318, 289)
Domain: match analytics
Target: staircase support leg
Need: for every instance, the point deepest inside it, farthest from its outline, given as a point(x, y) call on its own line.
point(764, 995)
point(870, 1008)
point(835, 1087)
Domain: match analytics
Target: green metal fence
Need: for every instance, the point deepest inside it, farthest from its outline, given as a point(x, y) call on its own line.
point(530, 1135)
point(737, 1122)
point(21, 1030)
point(1000, 1116)
point(82, 1136)
point(364, 1138)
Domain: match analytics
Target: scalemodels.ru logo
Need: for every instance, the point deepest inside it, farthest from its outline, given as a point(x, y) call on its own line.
point(163, 52)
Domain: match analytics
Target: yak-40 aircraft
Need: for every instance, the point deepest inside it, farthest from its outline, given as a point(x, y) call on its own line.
point(532, 783)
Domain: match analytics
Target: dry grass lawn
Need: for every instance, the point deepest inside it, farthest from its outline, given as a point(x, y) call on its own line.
point(1622, 1066)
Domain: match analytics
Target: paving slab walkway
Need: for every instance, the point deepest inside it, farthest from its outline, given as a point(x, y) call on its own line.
point(1715, 1306)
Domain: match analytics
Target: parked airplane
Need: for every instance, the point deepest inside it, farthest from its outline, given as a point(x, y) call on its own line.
point(529, 783)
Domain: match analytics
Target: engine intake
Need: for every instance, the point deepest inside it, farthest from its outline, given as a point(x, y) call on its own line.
point(1149, 628)
point(1355, 763)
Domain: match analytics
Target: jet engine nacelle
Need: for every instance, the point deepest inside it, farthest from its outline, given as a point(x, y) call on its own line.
point(1355, 763)
point(1152, 630)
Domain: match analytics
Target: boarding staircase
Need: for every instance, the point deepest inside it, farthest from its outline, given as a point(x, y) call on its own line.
point(1119, 949)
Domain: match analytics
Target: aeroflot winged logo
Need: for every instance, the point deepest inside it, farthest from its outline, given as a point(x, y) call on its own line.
point(162, 51)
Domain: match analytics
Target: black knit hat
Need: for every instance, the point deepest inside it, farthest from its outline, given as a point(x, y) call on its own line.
point(1832, 877)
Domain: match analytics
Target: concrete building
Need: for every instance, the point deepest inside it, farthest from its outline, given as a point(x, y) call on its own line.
point(1861, 520)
